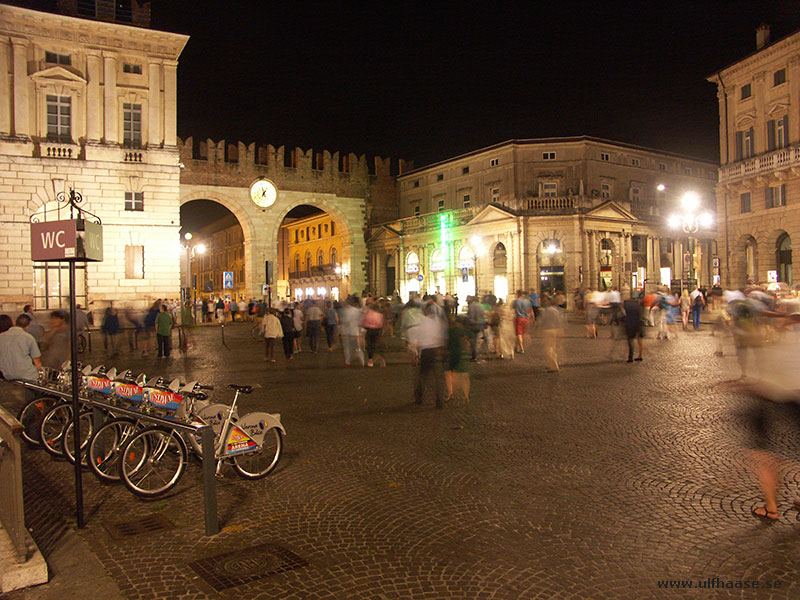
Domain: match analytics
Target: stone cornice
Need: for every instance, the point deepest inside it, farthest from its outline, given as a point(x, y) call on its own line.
point(759, 57)
point(31, 24)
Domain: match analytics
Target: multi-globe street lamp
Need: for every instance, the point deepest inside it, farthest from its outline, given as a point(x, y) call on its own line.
point(690, 220)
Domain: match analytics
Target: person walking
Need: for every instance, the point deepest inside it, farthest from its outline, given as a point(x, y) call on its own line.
point(551, 323)
point(476, 322)
point(330, 322)
point(272, 330)
point(456, 374)
point(431, 337)
point(505, 330)
point(314, 326)
point(372, 322)
point(20, 354)
point(287, 328)
point(234, 308)
point(55, 342)
point(523, 317)
point(164, 325)
point(110, 328)
point(698, 304)
point(686, 304)
point(297, 317)
point(34, 329)
point(349, 319)
point(632, 320)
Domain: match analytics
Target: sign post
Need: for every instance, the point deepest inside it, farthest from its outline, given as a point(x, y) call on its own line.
point(72, 240)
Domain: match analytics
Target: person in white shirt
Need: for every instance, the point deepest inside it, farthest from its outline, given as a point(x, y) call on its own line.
point(349, 320)
point(431, 337)
point(271, 328)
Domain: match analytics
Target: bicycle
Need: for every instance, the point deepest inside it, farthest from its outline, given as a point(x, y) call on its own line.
point(257, 333)
point(154, 459)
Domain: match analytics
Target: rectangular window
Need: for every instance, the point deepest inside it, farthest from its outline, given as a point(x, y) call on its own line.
point(134, 200)
point(687, 170)
point(605, 190)
point(440, 205)
point(746, 92)
point(132, 68)
point(59, 59)
point(550, 190)
point(778, 133)
point(134, 262)
point(495, 194)
point(744, 144)
point(779, 77)
point(605, 156)
point(415, 184)
point(662, 166)
point(494, 162)
point(776, 196)
point(51, 285)
point(744, 201)
point(465, 170)
point(132, 125)
point(635, 162)
point(465, 200)
point(59, 118)
point(638, 243)
point(416, 210)
point(548, 155)
point(440, 177)
point(635, 191)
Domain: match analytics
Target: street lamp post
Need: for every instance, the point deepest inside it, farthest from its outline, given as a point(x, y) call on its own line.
point(191, 249)
point(477, 250)
point(690, 221)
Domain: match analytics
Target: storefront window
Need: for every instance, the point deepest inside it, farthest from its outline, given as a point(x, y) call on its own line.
point(551, 267)
point(436, 282)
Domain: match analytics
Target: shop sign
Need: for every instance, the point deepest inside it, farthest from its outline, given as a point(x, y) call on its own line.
point(437, 266)
point(466, 264)
point(772, 277)
point(412, 268)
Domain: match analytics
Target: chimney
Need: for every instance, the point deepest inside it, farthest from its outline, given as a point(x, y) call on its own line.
point(762, 36)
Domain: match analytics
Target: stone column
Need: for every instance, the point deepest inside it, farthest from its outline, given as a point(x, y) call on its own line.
point(584, 258)
point(155, 114)
point(592, 241)
point(170, 103)
point(94, 102)
point(5, 91)
point(21, 110)
point(794, 92)
point(110, 133)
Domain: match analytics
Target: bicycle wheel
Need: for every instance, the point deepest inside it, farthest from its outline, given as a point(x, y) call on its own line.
point(31, 417)
point(52, 428)
point(256, 333)
point(105, 448)
point(68, 438)
point(81, 343)
point(257, 464)
point(153, 461)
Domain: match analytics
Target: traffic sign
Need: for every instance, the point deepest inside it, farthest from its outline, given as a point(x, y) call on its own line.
point(420, 277)
point(464, 274)
point(227, 280)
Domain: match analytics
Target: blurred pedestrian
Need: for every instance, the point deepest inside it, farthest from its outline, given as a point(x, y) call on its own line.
point(330, 322)
point(476, 322)
point(19, 354)
point(551, 324)
point(234, 309)
point(297, 317)
point(110, 329)
point(313, 325)
point(372, 321)
point(505, 330)
point(5, 323)
point(349, 319)
point(272, 330)
point(456, 372)
point(523, 317)
point(431, 337)
point(34, 329)
point(633, 326)
point(287, 328)
point(164, 324)
point(698, 304)
point(55, 342)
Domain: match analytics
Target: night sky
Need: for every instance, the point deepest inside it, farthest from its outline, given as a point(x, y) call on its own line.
point(430, 81)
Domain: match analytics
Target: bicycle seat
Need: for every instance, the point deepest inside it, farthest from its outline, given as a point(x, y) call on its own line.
point(242, 389)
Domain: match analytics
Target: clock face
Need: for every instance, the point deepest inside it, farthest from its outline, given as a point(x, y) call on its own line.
point(264, 193)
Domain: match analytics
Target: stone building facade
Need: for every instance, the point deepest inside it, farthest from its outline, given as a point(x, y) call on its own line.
point(89, 105)
point(222, 251)
point(352, 194)
point(544, 214)
point(309, 250)
point(758, 196)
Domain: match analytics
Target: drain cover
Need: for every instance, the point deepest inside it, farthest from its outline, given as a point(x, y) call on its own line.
point(146, 524)
point(243, 566)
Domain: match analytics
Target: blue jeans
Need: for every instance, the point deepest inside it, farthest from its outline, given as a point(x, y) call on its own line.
point(696, 310)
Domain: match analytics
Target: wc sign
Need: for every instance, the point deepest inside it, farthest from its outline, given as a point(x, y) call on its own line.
point(73, 239)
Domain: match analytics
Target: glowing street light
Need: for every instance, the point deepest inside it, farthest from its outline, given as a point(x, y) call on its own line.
point(187, 236)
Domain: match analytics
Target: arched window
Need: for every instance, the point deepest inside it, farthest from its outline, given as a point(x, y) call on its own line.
point(551, 253)
point(334, 258)
point(296, 263)
point(412, 263)
point(500, 260)
point(308, 262)
point(320, 257)
point(437, 261)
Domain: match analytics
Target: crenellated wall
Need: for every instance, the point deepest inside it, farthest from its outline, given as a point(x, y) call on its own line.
point(345, 175)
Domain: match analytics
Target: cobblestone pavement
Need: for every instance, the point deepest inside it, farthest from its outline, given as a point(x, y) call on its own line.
point(595, 482)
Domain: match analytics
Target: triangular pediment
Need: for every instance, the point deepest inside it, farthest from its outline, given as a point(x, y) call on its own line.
point(491, 214)
point(778, 106)
point(384, 232)
point(611, 210)
point(58, 73)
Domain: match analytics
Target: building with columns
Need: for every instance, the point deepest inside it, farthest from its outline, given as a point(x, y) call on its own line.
point(89, 104)
point(758, 195)
point(545, 214)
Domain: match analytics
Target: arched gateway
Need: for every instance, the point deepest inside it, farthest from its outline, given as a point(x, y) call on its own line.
point(341, 187)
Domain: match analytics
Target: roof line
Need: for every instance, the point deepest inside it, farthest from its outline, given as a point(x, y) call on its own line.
point(576, 138)
point(752, 54)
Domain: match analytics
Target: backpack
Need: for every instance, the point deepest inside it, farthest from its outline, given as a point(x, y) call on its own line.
point(698, 300)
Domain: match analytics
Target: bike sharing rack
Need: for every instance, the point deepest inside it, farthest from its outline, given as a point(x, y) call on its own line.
point(99, 408)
